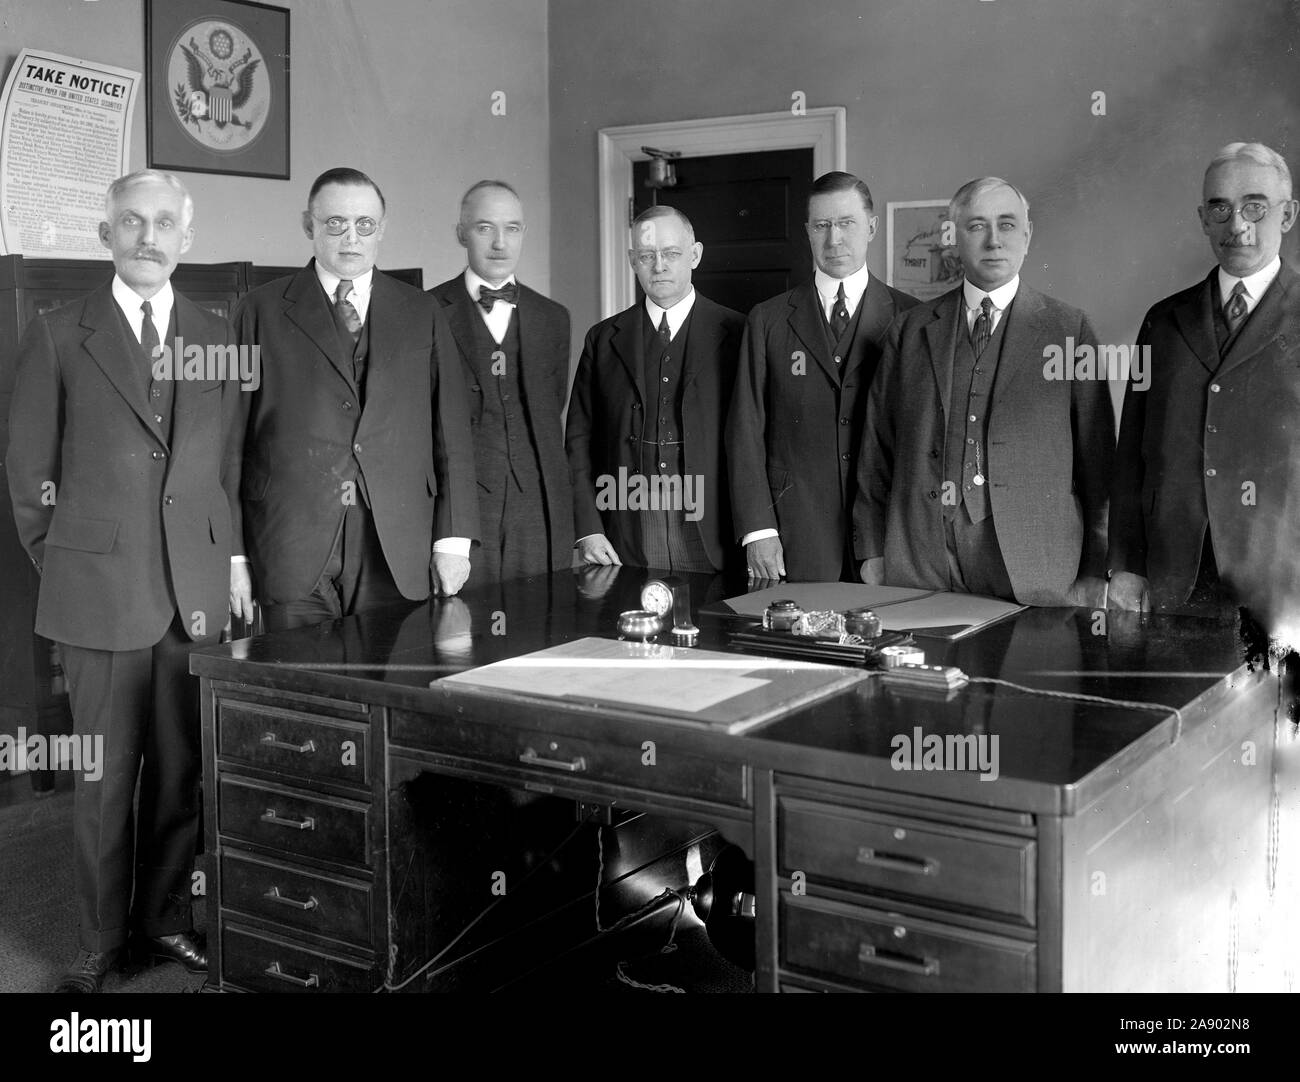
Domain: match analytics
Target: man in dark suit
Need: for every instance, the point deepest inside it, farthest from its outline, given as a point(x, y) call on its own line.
point(645, 421)
point(988, 443)
point(358, 473)
point(1206, 499)
point(795, 424)
point(116, 475)
point(514, 355)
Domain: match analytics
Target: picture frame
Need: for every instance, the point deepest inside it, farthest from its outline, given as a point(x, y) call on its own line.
point(217, 84)
point(918, 262)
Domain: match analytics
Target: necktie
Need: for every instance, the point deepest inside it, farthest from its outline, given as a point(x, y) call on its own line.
point(148, 332)
point(839, 314)
point(487, 296)
point(665, 334)
point(982, 331)
point(1235, 310)
point(347, 314)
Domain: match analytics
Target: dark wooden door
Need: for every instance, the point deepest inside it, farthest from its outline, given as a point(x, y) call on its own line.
point(748, 211)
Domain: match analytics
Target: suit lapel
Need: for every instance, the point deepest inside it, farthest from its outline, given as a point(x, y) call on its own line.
point(941, 339)
point(1022, 339)
point(121, 360)
point(534, 343)
point(459, 309)
point(306, 307)
point(385, 319)
point(703, 342)
point(625, 342)
point(877, 312)
point(189, 326)
point(1265, 322)
point(808, 326)
point(1194, 318)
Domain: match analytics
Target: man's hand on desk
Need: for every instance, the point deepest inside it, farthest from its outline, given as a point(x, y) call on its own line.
point(449, 572)
point(766, 558)
point(1129, 592)
point(1087, 592)
point(872, 571)
point(241, 591)
point(596, 549)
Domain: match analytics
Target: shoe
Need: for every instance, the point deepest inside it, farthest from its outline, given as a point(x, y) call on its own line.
point(188, 948)
point(88, 971)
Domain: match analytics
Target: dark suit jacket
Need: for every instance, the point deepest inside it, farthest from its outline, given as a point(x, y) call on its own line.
point(302, 428)
point(607, 417)
point(136, 529)
point(1050, 449)
point(1214, 443)
point(794, 431)
point(544, 374)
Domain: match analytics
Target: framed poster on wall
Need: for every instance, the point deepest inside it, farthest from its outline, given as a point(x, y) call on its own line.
point(217, 76)
point(919, 261)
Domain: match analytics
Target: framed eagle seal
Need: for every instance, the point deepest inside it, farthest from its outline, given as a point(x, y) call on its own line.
point(217, 75)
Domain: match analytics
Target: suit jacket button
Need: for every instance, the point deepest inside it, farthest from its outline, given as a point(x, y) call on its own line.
point(844, 420)
point(933, 495)
point(1214, 387)
point(1210, 472)
point(346, 404)
point(356, 448)
point(156, 455)
point(845, 456)
point(168, 501)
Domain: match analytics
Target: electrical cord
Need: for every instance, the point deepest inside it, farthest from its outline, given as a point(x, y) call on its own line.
point(1080, 697)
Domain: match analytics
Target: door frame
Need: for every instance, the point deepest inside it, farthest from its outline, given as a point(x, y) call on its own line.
point(822, 129)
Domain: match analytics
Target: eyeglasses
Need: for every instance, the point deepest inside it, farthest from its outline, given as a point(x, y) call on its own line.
point(336, 227)
point(648, 257)
point(1253, 211)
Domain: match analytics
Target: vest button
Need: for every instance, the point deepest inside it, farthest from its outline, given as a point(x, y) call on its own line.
point(837, 360)
point(933, 495)
point(1211, 428)
point(346, 404)
point(168, 501)
point(158, 455)
point(1214, 387)
point(356, 448)
point(1210, 472)
point(844, 420)
point(845, 456)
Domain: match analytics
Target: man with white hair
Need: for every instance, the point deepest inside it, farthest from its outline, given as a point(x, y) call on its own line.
point(1206, 497)
point(124, 504)
point(989, 439)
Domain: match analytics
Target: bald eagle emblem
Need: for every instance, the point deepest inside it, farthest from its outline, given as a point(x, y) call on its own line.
point(220, 94)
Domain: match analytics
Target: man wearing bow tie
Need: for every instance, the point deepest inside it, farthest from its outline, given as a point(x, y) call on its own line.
point(1206, 499)
point(983, 470)
point(358, 476)
point(514, 354)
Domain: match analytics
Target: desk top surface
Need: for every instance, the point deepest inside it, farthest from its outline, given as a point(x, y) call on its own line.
point(1054, 755)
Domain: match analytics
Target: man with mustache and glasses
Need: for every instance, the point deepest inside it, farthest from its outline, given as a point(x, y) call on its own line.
point(795, 422)
point(357, 469)
point(125, 506)
point(1205, 505)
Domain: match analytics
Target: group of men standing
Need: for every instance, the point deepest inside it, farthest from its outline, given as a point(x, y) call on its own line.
point(398, 442)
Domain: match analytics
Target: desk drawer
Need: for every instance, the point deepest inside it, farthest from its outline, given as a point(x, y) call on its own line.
point(291, 742)
point(933, 862)
point(325, 905)
point(557, 757)
point(899, 953)
point(329, 828)
point(265, 963)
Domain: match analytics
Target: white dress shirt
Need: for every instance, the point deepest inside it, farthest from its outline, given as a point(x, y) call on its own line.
point(1001, 298)
point(676, 314)
point(129, 301)
point(359, 295)
point(1255, 284)
point(498, 319)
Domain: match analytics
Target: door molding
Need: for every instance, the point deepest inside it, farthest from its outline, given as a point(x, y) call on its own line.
point(821, 129)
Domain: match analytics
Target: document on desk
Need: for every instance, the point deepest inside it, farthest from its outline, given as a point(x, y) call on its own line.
point(703, 688)
point(932, 613)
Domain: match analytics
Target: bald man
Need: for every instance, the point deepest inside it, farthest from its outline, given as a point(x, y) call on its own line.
point(645, 420)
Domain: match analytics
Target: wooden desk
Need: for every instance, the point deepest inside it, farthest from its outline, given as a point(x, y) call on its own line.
point(1118, 848)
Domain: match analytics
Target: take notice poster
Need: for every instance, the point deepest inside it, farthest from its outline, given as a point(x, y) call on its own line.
point(64, 136)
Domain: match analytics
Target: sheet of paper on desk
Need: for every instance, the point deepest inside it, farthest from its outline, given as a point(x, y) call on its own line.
point(900, 608)
point(731, 692)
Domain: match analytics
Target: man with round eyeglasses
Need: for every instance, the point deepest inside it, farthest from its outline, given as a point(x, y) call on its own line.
point(1205, 505)
point(357, 484)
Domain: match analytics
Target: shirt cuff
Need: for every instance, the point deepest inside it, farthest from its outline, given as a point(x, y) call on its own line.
point(758, 535)
point(239, 559)
point(453, 546)
point(584, 537)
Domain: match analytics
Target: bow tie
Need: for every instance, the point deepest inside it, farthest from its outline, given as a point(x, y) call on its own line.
point(488, 297)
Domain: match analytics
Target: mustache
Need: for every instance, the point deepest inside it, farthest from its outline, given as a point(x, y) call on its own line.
point(148, 253)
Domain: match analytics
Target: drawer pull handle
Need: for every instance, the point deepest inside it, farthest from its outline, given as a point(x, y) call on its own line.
point(574, 766)
point(274, 895)
point(269, 816)
point(897, 864)
point(922, 967)
point(274, 970)
point(270, 741)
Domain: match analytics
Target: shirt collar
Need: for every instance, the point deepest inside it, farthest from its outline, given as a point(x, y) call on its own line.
point(854, 286)
point(1001, 297)
point(330, 282)
point(676, 314)
point(474, 282)
point(1255, 283)
point(129, 300)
